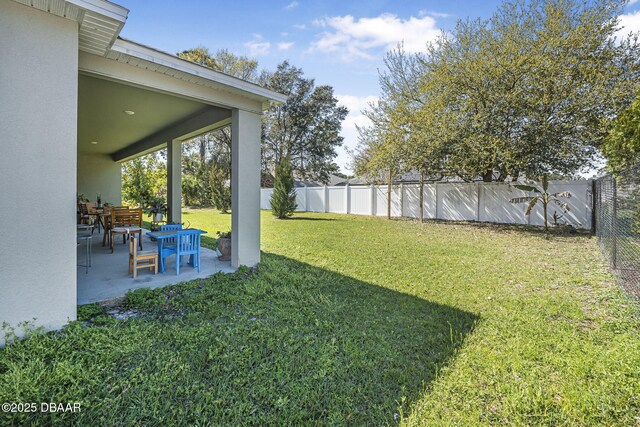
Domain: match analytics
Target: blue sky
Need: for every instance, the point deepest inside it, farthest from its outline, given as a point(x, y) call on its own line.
point(339, 43)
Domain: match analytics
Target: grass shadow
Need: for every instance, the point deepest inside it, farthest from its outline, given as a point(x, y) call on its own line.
point(307, 218)
point(502, 228)
point(197, 208)
point(287, 344)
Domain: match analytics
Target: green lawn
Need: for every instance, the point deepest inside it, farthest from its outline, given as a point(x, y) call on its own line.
point(355, 321)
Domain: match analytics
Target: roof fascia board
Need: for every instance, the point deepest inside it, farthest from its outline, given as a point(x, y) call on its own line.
point(145, 53)
point(104, 8)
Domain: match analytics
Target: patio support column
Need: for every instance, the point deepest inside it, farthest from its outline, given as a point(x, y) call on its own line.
point(245, 188)
point(174, 181)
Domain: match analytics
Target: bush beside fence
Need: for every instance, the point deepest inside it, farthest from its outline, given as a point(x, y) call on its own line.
point(484, 202)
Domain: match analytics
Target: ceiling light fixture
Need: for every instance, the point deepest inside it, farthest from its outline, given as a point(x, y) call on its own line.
point(94, 142)
point(129, 112)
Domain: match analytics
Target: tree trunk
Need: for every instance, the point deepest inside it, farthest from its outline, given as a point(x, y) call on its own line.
point(544, 207)
point(203, 149)
point(421, 196)
point(488, 175)
point(389, 196)
point(303, 175)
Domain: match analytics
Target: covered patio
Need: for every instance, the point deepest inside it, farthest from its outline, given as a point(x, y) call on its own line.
point(124, 113)
point(108, 277)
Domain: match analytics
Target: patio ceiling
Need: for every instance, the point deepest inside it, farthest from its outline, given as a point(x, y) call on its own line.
point(102, 118)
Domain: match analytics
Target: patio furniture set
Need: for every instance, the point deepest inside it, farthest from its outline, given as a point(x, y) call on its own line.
point(124, 221)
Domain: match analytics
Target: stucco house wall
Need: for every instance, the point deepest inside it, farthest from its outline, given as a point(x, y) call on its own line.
point(98, 173)
point(39, 57)
point(44, 46)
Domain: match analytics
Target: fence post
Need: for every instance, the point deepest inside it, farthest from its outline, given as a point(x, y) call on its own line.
point(347, 198)
point(478, 204)
point(372, 199)
point(306, 198)
point(594, 194)
point(614, 225)
point(401, 200)
point(437, 184)
point(325, 200)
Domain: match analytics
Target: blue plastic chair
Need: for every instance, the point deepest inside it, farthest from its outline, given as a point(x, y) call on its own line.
point(188, 243)
point(168, 245)
point(171, 227)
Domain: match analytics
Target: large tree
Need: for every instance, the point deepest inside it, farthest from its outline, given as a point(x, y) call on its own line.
point(224, 61)
point(241, 66)
point(402, 136)
point(207, 157)
point(533, 89)
point(306, 128)
point(379, 155)
point(144, 179)
point(530, 91)
point(622, 145)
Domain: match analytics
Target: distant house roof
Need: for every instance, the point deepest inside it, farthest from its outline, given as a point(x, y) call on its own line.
point(352, 181)
point(335, 180)
point(413, 177)
point(267, 181)
point(297, 183)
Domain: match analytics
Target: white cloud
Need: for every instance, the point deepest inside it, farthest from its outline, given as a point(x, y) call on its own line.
point(632, 2)
point(300, 26)
point(285, 45)
point(292, 5)
point(355, 104)
point(354, 38)
point(436, 14)
point(258, 46)
point(629, 22)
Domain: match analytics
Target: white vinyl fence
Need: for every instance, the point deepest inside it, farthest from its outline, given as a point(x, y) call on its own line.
point(485, 202)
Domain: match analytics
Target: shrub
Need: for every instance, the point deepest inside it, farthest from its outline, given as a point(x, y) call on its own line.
point(283, 198)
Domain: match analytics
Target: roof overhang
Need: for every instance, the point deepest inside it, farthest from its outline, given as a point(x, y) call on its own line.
point(105, 55)
point(124, 50)
point(99, 21)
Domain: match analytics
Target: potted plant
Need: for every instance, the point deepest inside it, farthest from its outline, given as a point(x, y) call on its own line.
point(224, 245)
point(157, 208)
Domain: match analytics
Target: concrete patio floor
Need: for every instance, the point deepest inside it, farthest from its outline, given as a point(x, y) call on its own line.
point(108, 276)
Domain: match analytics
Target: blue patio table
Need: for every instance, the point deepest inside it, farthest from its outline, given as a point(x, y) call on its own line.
point(162, 236)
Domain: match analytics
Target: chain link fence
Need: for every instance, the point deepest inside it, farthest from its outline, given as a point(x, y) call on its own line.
point(617, 225)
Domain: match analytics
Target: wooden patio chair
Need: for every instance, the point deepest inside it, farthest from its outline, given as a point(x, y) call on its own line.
point(125, 222)
point(137, 259)
point(106, 237)
point(88, 213)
